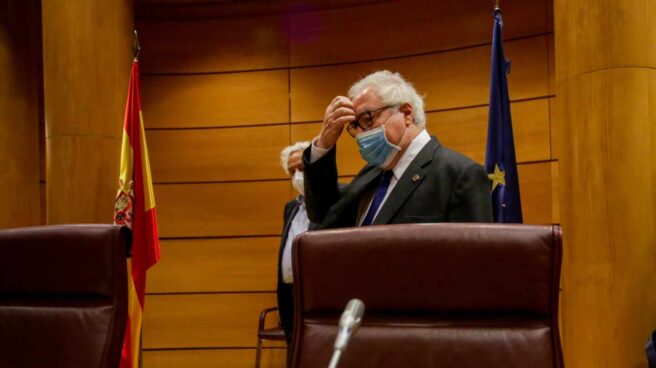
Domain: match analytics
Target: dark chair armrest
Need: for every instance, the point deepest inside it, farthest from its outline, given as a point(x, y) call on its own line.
point(263, 315)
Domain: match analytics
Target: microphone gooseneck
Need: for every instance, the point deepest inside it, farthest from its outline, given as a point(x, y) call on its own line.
point(349, 323)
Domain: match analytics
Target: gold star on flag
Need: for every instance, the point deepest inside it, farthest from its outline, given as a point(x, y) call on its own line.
point(497, 177)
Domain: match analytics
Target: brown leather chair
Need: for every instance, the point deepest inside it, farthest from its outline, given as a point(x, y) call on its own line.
point(63, 296)
point(436, 295)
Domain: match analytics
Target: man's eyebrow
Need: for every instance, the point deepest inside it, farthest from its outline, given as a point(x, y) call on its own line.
point(365, 110)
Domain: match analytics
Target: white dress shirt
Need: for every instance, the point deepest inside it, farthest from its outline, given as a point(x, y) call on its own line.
point(413, 150)
point(300, 224)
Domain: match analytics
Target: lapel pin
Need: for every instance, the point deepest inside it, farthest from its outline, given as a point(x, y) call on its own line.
point(416, 178)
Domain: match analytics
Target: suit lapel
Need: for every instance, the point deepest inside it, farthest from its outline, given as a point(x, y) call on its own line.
point(409, 181)
point(355, 190)
point(359, 184)
point(288, 221)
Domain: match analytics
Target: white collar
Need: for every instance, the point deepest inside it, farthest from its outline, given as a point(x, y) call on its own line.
point(413, 150)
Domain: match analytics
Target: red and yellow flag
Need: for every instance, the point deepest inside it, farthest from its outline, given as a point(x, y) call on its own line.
point(135, 208)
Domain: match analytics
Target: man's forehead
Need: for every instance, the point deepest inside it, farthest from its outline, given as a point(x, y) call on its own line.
point(294, 160)
point(367, 100)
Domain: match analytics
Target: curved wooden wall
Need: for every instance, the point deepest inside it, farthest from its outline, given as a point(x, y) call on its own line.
point(606, 84)
point(86, 71)
point(19, 114)
point(222, 97)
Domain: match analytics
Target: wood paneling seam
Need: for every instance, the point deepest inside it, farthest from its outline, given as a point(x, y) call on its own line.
point(117, 138)
point(602, 70)
point(211, 292)
point(192, 18)
point(214, 348)
point(308, 66)
point(217, 237)
point(220, 181)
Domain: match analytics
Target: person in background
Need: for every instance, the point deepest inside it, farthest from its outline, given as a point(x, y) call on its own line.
point(296, 222)
point(409, 176)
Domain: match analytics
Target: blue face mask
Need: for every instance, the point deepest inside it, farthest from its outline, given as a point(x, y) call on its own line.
point(375, 148)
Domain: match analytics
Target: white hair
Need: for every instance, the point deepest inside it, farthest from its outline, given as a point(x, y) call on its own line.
point(285, 153)
point(392, 90)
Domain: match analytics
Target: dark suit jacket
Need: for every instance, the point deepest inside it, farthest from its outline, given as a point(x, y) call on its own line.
point(285, 291)
point(439, 185)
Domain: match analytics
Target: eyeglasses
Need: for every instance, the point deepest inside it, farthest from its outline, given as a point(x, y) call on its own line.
point(365, 120)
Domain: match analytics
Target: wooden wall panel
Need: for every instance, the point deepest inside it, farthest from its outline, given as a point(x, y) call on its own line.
point(608, 200)
point(397, 28)
point(204, 320)
point(535, 191)
point(466, 130)
point(555, 192)
point(556, 113)
point(215, 100)
point(551, 59)
point(86, 69)
point(217, 154)
point(98, 158)
point(600, 35)
point(42, 193)
point(210, 45)
point(222, 209)
point(221, 9)
point(448, 80)
point(211, 265)
point(229, 358)
point(549, 15)
point(42, 151)
point(19, 114)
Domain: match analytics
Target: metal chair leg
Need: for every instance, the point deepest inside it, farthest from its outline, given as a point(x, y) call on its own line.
point(258, 353)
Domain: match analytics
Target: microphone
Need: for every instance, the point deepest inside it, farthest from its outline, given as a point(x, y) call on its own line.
point(349, 323)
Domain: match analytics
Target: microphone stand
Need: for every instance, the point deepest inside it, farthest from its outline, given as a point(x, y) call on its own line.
point(333, 361)
point(348, 325)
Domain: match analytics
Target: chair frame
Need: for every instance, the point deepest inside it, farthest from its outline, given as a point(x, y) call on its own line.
point(261, 338)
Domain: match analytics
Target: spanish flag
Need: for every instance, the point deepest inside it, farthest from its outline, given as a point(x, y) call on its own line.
point(135, 208)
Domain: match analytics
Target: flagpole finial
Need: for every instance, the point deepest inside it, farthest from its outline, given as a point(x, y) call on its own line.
point(497, 7)
point(136, 48)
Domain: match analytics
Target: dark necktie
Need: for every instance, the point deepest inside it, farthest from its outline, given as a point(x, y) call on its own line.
point(378, 197)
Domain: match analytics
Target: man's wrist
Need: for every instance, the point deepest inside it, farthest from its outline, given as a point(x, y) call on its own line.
point(317, 152)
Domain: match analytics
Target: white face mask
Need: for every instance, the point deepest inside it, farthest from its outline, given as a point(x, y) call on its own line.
point(297, 182)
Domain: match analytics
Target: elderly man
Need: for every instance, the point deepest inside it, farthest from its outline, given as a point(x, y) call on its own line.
point(409, 177)
point(296, 222)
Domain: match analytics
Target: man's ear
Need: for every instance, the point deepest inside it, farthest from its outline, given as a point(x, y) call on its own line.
point(407, 110)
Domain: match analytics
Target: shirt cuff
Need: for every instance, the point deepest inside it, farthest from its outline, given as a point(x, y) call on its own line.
point(315, 152)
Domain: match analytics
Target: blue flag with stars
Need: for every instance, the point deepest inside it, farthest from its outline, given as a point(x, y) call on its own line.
point(500, 162)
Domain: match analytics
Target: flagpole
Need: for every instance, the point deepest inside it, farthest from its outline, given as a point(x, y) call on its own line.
point(140, 345)
point(497, 7)
point(136, 48)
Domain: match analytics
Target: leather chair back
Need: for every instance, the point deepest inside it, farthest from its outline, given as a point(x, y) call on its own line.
point(63, 296)
point(436, 295)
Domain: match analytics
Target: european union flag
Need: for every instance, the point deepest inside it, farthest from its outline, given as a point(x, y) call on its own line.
point(500, 162)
